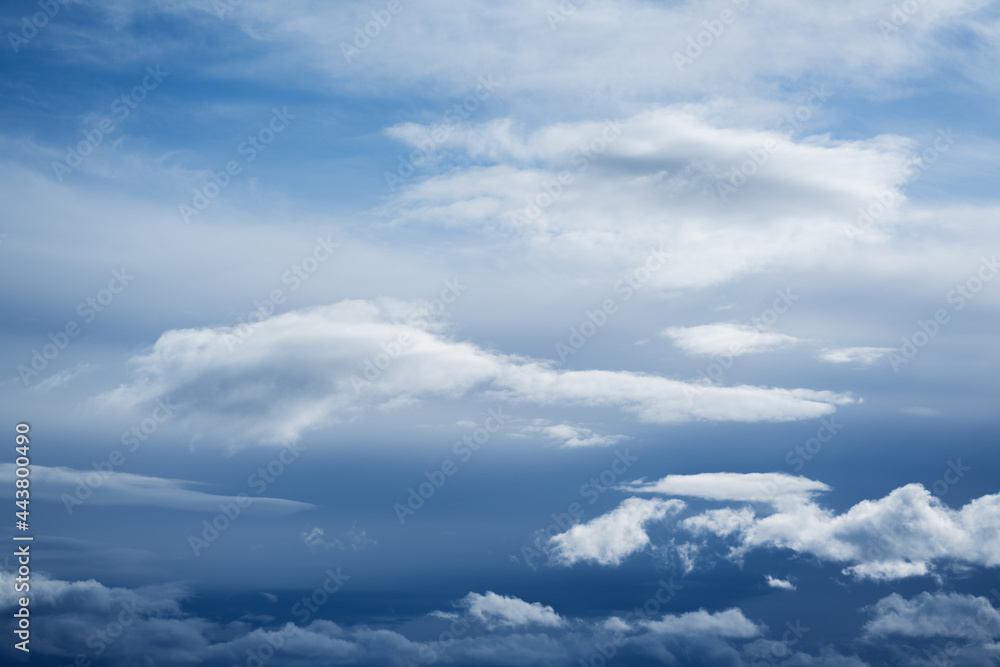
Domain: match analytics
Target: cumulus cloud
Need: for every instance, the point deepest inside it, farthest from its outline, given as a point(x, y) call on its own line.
point(503, 611)
point(901, 535)
point(726, 338)
point(315, 367)
point(934, 615)
point(775, 582)
point(611, 538)
point(93, 487)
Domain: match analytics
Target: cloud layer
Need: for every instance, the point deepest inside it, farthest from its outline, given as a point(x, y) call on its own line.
point(274, 379)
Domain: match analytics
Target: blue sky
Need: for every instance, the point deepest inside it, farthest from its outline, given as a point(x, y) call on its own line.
point(526, 333)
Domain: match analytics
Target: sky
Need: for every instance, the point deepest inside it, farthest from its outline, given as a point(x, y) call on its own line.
point(593, 332)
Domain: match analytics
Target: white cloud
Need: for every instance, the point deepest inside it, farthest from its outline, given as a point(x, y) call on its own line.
point(901, 535)
point(625, 49)
point(611, 538)
point(728, 623)
point(725, 338)
point(500, 610)
point(860, 355)
point(307, 369)
point(655, 186)
point(62, 484)
point(784, 584)
point(571, 436)
point(771, 487)
point(934, 615)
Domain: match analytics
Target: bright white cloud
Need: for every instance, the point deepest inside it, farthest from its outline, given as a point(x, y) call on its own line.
point(500, 610)
point(775, 582)
point(611, 538)
point(725, 338)
point(314, 367)
point(901, 535)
